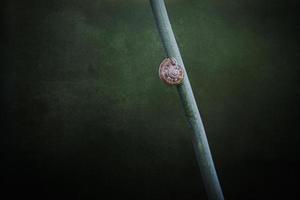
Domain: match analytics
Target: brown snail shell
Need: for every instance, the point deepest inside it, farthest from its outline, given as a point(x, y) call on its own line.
point(171, 72)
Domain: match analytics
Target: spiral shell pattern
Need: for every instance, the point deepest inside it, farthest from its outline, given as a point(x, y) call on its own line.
point(171, 72)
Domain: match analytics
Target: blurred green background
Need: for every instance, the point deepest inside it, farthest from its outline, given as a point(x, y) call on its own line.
point(86, 115)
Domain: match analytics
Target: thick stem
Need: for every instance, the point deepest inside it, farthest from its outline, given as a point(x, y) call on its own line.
point(200, 143)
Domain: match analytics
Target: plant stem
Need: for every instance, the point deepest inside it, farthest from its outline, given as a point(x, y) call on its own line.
point(202, 151)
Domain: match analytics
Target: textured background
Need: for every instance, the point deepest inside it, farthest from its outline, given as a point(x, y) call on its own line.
point(85, 114)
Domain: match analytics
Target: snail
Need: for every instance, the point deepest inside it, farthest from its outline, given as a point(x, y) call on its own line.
point(171, 72)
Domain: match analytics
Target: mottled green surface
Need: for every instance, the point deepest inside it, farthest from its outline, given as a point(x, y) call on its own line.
point(87, 115)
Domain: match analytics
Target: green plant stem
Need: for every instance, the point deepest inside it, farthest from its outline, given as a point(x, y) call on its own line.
point(202, 151)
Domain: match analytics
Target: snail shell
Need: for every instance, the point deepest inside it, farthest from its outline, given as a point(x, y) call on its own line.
point(171, 72)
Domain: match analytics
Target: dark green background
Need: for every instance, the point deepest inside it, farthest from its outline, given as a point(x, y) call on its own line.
point(85, 114)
